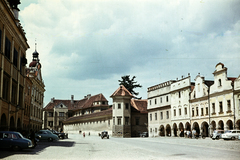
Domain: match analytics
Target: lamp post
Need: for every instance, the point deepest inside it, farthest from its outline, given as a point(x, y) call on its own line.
point(234, 117)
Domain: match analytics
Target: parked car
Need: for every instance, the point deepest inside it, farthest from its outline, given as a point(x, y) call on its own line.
point(144, 134)
point(104, 134)
point(231, 134)
point(46, 135)
point(217, 134)
point(59, 134)
point(14, 140)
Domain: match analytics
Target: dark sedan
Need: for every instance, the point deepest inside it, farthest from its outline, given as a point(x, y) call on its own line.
point(14, 140)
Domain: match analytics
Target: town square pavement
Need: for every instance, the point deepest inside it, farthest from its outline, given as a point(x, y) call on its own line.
point(157, 148)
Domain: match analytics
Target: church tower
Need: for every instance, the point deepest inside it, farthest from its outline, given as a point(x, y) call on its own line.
point(121, 112)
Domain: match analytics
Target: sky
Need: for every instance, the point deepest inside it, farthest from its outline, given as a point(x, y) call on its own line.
point(85, 47)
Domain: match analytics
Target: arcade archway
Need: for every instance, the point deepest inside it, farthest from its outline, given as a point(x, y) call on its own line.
point(161, 131)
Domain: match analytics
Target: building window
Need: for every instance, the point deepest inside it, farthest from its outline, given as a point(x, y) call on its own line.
point(161, 115)
point(119, 105)
point(155, 101)
point(113, 106)
point(206, 110)
point(0, 40)
point(7, 48)
point(151, 130)
point(14, 93)
point(161, 100)
point(126, 105)
point(150, 117)
point(201, 111)
point(193, 112)
point(50, 114)
point(180, 112)
point(150, 102)
point(167, 99)
point(15, 57)
point(174, 111)
point(6, 83)
point(229, 105)
point(185, 110)
point(213, 107)
point(155, 130)
point(219, 82)
point(167, 115)
point(220, 107)
point(50, 123)
point(60, 123)
point(179, 94)
point(155, 116)
point(196, 111)
point(126, 120)
point(61, 114)
point(113, 120)
point(137, 121)
point(119, 120)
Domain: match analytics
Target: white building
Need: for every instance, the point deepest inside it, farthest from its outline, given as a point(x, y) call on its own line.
point(159, 109)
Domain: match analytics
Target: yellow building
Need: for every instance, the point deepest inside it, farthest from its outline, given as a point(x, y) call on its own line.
point(13, 46)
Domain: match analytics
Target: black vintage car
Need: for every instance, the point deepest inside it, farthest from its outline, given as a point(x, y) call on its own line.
point(60, 134)
point(104, 134)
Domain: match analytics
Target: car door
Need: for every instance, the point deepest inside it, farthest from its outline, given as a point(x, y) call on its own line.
point(2, 141)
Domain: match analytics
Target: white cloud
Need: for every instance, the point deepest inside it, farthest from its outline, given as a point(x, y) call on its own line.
point(91, 44)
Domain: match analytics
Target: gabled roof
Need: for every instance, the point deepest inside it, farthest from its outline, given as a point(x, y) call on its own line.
point(140, 105)
point(77, 104)
point(121, 91)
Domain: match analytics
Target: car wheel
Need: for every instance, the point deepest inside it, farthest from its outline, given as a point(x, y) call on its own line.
point(16, 148)
point(217, 138)
point(213, 138)
point(233, 138)
point(50, 139)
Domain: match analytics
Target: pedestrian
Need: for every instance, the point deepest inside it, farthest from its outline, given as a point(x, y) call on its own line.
point(32, 137)
point(185, 133)
point(83, 134)
point(89, 133)
point(193, 133)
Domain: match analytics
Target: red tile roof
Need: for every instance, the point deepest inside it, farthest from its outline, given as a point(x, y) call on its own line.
point(77, 104)
point(140, 105)
point(121, 91)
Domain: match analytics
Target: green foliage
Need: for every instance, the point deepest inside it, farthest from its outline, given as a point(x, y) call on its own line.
point(130, 84)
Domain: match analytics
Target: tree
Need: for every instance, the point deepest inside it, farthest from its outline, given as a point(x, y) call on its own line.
point(130, 84)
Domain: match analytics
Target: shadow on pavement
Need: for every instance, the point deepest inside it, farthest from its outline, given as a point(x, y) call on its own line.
point(4, 153)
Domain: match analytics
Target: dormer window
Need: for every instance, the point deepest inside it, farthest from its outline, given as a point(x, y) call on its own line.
point(219, 82)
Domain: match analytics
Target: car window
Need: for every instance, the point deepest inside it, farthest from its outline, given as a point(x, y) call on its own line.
point(1, 135)
point(5, 135)
point(234, 131)
point(14, 136)
point(238, 131)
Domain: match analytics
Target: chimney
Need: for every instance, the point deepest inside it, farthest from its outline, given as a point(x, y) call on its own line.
point(72, 99)
point(88, 96)
point(52, 100)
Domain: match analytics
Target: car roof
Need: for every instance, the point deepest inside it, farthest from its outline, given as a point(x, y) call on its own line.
point(8, 132)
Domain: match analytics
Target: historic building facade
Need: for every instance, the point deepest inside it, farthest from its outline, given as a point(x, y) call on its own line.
point(37, 92)
point(222, 106)
point(73, 116)
point(129, 115)
point(13, 46)
point(199, 101)
point(203, 105)
point(159, 109)
point(180, 105)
